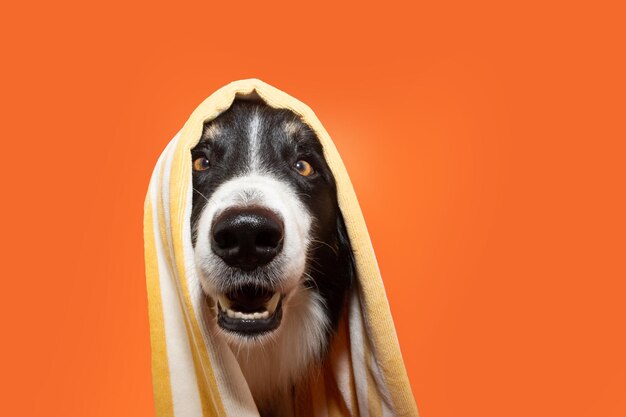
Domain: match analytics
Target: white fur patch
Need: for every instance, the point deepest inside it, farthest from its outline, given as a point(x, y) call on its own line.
point(253, 137)
point(256, 190)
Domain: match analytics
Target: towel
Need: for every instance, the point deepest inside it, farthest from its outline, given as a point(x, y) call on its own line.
point(195, 374)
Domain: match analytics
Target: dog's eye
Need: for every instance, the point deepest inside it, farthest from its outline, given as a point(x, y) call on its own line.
point(201, 164)
point(304, 168)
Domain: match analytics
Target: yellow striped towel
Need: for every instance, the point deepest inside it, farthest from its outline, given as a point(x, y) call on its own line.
point(196, 375)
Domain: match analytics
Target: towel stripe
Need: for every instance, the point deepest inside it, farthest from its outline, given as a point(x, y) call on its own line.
point(208, 396)
point(160, 368)
point(186, 399)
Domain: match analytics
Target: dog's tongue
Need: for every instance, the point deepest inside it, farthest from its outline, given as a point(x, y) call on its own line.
point(249, 300)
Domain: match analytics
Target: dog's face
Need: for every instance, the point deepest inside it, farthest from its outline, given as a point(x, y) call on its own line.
point(266, 227)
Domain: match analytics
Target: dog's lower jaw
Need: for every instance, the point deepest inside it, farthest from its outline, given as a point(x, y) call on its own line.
point(278, 362)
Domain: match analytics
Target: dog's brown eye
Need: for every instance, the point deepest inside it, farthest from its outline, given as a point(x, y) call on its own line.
point(304, 168)
point(201, 164)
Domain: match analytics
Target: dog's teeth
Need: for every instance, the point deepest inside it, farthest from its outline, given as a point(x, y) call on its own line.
point(272, 303)
point(224, 302)
point(247, 316)
point(270, 306)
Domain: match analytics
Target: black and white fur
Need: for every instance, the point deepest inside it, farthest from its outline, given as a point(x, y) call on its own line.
point(251, 150)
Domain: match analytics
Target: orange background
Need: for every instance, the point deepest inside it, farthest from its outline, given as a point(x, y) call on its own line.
point(485, 142)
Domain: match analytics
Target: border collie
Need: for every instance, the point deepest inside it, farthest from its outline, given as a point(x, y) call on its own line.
point(271, 246)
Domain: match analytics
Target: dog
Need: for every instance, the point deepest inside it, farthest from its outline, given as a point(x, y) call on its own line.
point(271, 247)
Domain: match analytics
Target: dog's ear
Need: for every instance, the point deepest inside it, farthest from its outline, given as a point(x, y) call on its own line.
point(344, 252)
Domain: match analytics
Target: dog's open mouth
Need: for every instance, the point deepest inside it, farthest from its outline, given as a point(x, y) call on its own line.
point(249, 311)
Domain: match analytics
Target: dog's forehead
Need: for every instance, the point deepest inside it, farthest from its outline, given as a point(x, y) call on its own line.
point(250, 123)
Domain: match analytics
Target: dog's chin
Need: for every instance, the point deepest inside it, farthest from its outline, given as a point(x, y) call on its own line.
point(249, 312)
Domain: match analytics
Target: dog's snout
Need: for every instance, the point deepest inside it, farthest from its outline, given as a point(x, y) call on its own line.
point(247, 237)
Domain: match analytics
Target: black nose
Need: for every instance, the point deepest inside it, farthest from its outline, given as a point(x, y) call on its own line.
point(247, 237)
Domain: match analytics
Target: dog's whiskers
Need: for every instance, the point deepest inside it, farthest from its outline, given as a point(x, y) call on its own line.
point(311, 280)
point(312, 262)
point(200, 194)
point(325, 244)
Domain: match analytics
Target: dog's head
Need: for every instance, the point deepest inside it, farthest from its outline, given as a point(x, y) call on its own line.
point(268, 234)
